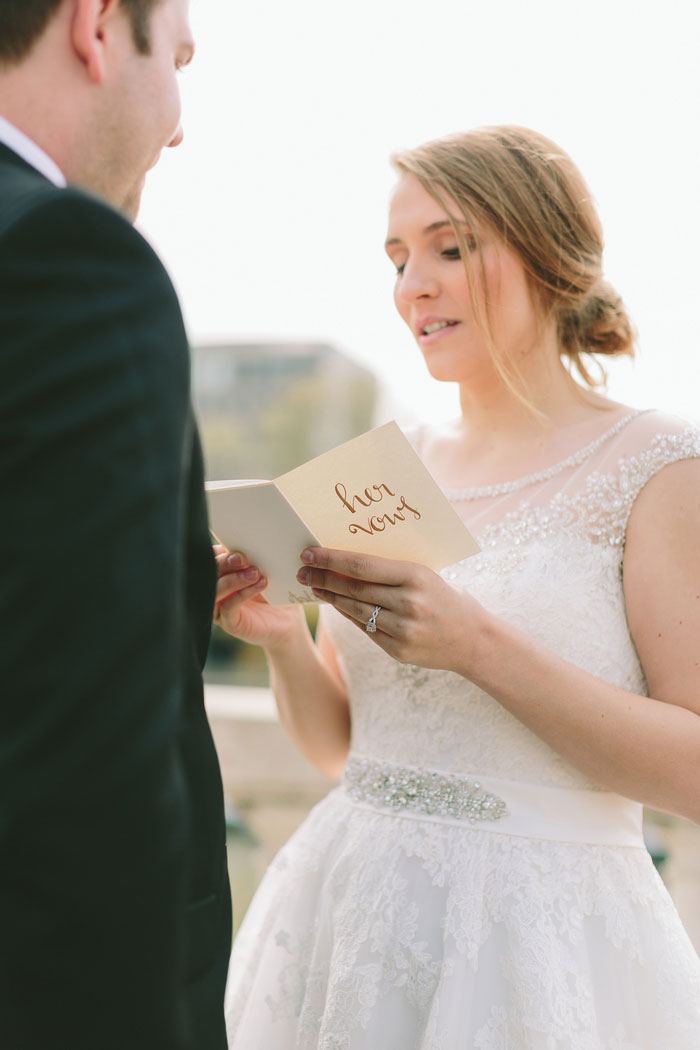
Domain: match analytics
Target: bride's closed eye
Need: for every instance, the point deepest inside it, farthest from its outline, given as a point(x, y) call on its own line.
point(455, 253)
point(446, 253)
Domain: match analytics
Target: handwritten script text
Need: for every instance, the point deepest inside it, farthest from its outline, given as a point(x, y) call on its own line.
point(371, 495)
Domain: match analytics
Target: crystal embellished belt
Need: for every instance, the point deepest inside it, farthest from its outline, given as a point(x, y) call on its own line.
point(533, 810)
point(435, 794)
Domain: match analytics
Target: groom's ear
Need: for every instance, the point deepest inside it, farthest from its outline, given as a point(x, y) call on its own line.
point(91, 23)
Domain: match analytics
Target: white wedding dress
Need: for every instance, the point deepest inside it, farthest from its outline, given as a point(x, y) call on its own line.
point(465, 888)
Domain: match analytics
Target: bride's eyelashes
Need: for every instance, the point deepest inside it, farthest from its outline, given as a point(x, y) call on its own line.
point(446, 253)
point(469, 240)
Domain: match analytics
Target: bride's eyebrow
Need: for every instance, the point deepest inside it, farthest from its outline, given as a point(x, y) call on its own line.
point(432, 228)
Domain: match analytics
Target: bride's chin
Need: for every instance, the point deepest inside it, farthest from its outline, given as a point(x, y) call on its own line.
point(445, 371)
point(469, 362)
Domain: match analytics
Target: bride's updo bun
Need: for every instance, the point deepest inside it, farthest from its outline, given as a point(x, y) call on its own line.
point(531, 194)
point(598, 325)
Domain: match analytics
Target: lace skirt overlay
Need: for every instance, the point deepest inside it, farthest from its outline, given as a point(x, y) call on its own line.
point(378, 929)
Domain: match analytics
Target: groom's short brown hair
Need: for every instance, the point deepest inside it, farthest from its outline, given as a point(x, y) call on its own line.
point(23, 21)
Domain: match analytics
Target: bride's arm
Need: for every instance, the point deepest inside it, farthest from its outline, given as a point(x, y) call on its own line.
point(311, 699)
point(645, 748)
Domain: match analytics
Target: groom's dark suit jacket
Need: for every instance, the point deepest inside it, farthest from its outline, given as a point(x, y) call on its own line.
point(114, 904)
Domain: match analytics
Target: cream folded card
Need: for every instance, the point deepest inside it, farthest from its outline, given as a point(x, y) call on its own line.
point(371, 495)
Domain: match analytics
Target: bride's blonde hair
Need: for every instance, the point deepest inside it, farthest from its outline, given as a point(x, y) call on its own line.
point(529, 192)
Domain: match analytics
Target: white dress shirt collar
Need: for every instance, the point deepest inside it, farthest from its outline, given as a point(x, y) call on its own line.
point(28, 150)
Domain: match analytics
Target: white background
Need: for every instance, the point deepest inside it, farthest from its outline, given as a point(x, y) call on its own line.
point(271, 216)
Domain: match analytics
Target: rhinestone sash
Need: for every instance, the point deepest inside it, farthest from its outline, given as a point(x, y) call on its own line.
point(504, 807)
point(401, 787)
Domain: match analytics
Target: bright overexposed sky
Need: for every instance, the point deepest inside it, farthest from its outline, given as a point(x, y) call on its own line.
point(271, 216)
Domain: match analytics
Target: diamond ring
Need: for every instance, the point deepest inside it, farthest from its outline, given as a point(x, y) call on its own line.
point(371, 625)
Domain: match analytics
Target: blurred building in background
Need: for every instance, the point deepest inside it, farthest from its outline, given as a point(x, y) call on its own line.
point(267, 407)
point(264, 408)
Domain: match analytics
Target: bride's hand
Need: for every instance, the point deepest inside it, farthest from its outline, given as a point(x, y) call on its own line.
point(422, 620)
point(241, 608)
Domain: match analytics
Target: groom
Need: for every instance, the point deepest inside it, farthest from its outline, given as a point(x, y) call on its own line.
point(114, 904)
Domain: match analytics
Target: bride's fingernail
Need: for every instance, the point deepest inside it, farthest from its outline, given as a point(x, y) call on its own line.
point(235, 561)
point(307, 556)
point(303, 576)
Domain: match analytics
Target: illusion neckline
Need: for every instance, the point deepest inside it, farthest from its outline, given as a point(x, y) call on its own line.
point(574, 460)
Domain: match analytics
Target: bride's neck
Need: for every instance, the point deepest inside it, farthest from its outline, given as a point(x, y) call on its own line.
point(491, 412)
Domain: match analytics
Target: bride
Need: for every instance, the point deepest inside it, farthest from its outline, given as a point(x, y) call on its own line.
point(479, 881)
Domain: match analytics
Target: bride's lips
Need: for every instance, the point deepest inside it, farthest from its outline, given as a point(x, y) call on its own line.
point(424, 339)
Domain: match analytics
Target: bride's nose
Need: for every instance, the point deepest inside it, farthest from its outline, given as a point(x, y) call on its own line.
point(416, 282)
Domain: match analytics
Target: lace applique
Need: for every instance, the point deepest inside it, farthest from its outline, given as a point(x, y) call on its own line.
point(393, 917)
point(601, 510)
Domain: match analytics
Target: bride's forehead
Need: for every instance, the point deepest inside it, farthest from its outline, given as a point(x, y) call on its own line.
point(411, 205)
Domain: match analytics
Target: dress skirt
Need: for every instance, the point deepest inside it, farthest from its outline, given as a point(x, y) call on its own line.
point(395, 920)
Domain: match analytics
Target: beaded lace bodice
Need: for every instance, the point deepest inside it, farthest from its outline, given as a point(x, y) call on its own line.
point(551, 564)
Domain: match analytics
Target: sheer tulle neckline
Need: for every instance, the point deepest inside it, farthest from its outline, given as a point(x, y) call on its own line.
point(574, 460)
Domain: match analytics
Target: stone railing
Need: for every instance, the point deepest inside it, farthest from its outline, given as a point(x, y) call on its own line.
point(266, 781)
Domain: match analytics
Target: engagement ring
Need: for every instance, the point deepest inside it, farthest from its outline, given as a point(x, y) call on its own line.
point(371, 625)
